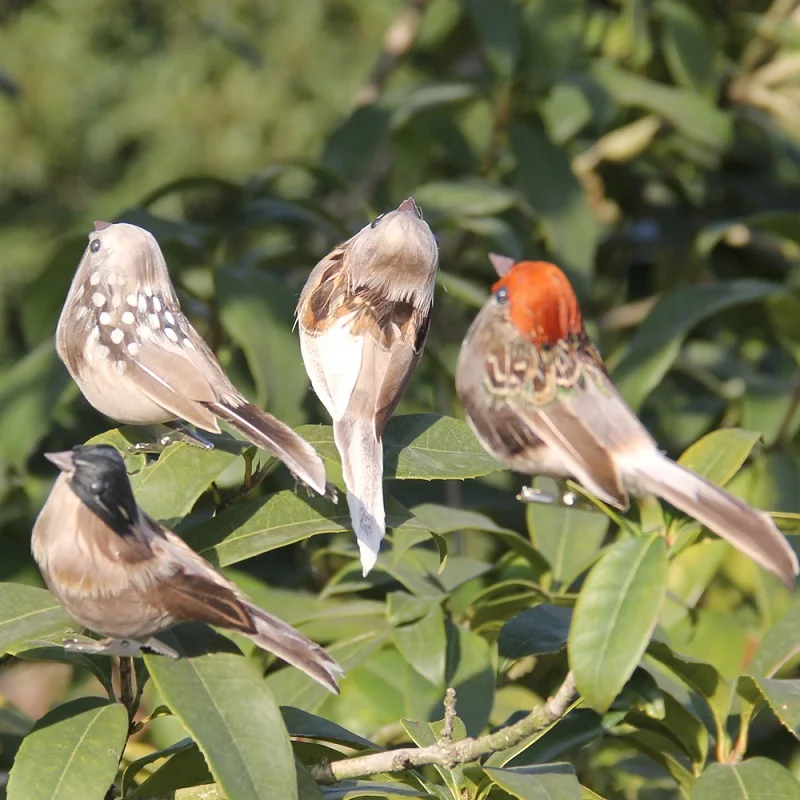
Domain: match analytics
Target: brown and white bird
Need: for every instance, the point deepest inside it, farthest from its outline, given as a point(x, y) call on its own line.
point(363, 317)
point(539, 399)
point(119, 573)
point(137, 359)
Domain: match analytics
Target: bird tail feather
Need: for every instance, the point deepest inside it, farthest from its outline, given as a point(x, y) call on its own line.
point(264, 430)
point(747, 529)
point(289, 644)
point(362, 465)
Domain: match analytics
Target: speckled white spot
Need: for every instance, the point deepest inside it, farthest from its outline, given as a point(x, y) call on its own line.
point(189, 344)
point(142, 303)
point(128, 318)
point(169, 317)
point(94, 279)
point(99, 299)
point(170, 334)
point(102, 352)
point(117, 336)
point(143, 332)
point(156, 304)
point(116, 300)
point(132, 300)
point(155, 322)
point(105, 318)
point(133, 348)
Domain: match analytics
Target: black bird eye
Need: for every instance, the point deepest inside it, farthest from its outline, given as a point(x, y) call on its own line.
point(377, 220)
point(94, 245)
point(501, 295)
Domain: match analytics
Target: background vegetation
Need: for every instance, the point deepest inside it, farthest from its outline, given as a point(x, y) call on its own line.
point(650, 148)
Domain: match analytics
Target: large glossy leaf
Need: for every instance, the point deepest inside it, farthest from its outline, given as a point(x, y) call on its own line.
point(310, 726)
point(545, 782)
point(720, 455)
point(615, 615)
point(536, 631)
point(569, 538)
point(249, 529)
point(657, 341)
point(72, 752)
point(782, 696)
point(224, 703)
point(749, 780)
point(780, 644)
point(423, 644)
point(27, 613)
point(423, 446)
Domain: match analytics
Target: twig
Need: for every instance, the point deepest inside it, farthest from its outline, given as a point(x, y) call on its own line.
point(398, 41)
point(126, 694)
point(761, 43)
point(448, 753)
point(446, 736)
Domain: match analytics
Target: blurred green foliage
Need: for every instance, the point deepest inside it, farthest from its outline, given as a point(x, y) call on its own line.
point(650, 148)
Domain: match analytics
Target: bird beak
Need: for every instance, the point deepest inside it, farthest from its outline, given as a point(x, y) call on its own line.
point(408, 206)
point(501, 264)
point(99, 225)
point(64, 460)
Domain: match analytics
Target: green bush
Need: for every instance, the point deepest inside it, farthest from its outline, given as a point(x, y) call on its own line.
point(648, 148)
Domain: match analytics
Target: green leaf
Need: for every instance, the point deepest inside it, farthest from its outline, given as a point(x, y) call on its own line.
point(310, 726)
point(497, 24)
point(703, 678)
point(782, 696)
point(224, 703)
point(615, 615)
point(544, 176)
point(185, 768)
point(545, 782)
point(423, 644)
point(780, 644)
point(28, 392)
point(657, 341)
point(692, 114)
point(446, 519)
point(471, 197)
point(257, 310)
point(421, 446)
point(719, 455)
point(27, 613)
point(536, 631)
point(686, 46)
point(746, 781)
point(569, 538)
point(72, 752)
point(252, 528)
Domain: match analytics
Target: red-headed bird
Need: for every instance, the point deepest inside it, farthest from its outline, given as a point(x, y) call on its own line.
point(537, 395)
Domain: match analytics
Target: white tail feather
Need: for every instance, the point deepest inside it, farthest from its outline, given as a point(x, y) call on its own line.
point(362, 465)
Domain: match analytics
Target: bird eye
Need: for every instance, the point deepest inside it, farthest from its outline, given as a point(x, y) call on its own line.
point(501, 295)
point(377, 220)
point(94, 245)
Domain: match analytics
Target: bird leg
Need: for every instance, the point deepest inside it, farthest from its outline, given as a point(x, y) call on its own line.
point(179, 432)
point(563, 496)
point(119, 647)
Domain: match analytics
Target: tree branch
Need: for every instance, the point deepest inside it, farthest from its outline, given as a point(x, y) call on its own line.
point(445, 752)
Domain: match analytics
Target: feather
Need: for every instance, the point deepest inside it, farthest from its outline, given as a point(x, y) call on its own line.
point(749, 530)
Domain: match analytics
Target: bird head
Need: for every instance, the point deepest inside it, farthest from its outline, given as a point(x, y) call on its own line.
point(538, 299)
point(97, 475)
point(396, 252)
point(125, 256)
